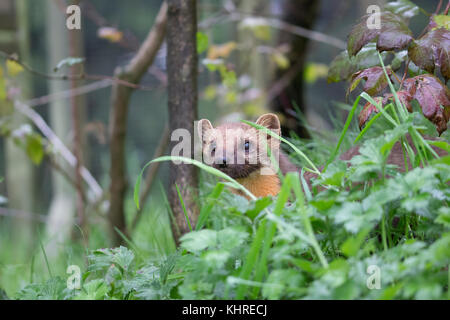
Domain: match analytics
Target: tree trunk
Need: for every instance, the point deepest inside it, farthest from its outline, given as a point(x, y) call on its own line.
point(78, 113)
point(301, 13)
point(20, 170)
point(62, 207)
point(182, 95)
point(132, 73)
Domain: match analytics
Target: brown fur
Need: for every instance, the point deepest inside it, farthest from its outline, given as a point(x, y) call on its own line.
point(249, 173)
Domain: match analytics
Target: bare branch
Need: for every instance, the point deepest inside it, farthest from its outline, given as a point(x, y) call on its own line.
point(132, 73)
point(277, 24)
point(59, 146)
point(81, 76)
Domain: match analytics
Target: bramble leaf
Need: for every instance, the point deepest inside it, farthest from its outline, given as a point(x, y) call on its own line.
point(393, 34)
point(375, 80)
point(432, 50)
point(367, 112)
point(433, 97)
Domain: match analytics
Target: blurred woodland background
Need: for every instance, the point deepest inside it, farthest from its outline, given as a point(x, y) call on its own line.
point(254, 56)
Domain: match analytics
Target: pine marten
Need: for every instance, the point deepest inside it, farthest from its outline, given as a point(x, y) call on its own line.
point(239, 151)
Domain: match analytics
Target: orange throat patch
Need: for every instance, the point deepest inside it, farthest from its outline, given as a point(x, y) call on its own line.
point(260, 185)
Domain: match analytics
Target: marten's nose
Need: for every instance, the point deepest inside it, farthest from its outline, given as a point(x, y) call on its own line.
point(224, 163)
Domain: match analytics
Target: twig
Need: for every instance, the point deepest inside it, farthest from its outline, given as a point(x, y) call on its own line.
point(59, 146)
point(81, 76)
point(64, 173)
point(8, 212)
point(151, 174)
point(69, 93)
point(278, 24)
point(438, 7)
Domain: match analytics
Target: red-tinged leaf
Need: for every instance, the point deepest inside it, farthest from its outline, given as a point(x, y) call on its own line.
point(432, 50)
point(393, 34)
point(433, 97)
point(367, 111)
point(404, 97)
point(375, 80)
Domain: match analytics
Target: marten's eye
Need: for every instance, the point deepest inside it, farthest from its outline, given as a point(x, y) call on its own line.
point(213, 148)
point(247, 145)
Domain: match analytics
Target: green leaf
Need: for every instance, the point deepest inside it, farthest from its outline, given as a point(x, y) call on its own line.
point(344, 66)
point(34, 148)
point(403, 8)
point(93, 290)
point(439, 21)
point(199, 240)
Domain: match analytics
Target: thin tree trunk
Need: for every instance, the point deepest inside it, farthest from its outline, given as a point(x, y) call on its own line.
point(62, 207)
point(76, 50)
point(20, 171)
point(182, 94)
point(133, 73)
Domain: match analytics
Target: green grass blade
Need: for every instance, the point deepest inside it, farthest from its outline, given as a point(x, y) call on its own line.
point(343, 133)
point(200, 165)
point(370, 123)
point(307, 223)
point(45, 255)
point(206, 210)
point(184, 207)
point(273, 134)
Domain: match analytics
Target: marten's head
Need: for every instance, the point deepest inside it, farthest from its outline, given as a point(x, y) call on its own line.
point(238, 149)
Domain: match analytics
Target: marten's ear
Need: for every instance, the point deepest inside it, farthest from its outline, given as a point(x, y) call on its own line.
point(270, 121)
point(202, 127)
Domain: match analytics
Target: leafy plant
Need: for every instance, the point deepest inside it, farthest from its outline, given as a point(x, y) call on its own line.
point(421, 56)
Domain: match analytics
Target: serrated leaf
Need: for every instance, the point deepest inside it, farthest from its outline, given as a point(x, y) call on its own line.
point(367, 111)
point(199, 240)
point(393, 34)
point(433, 97)
point(432, 50)
point(375, 80)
